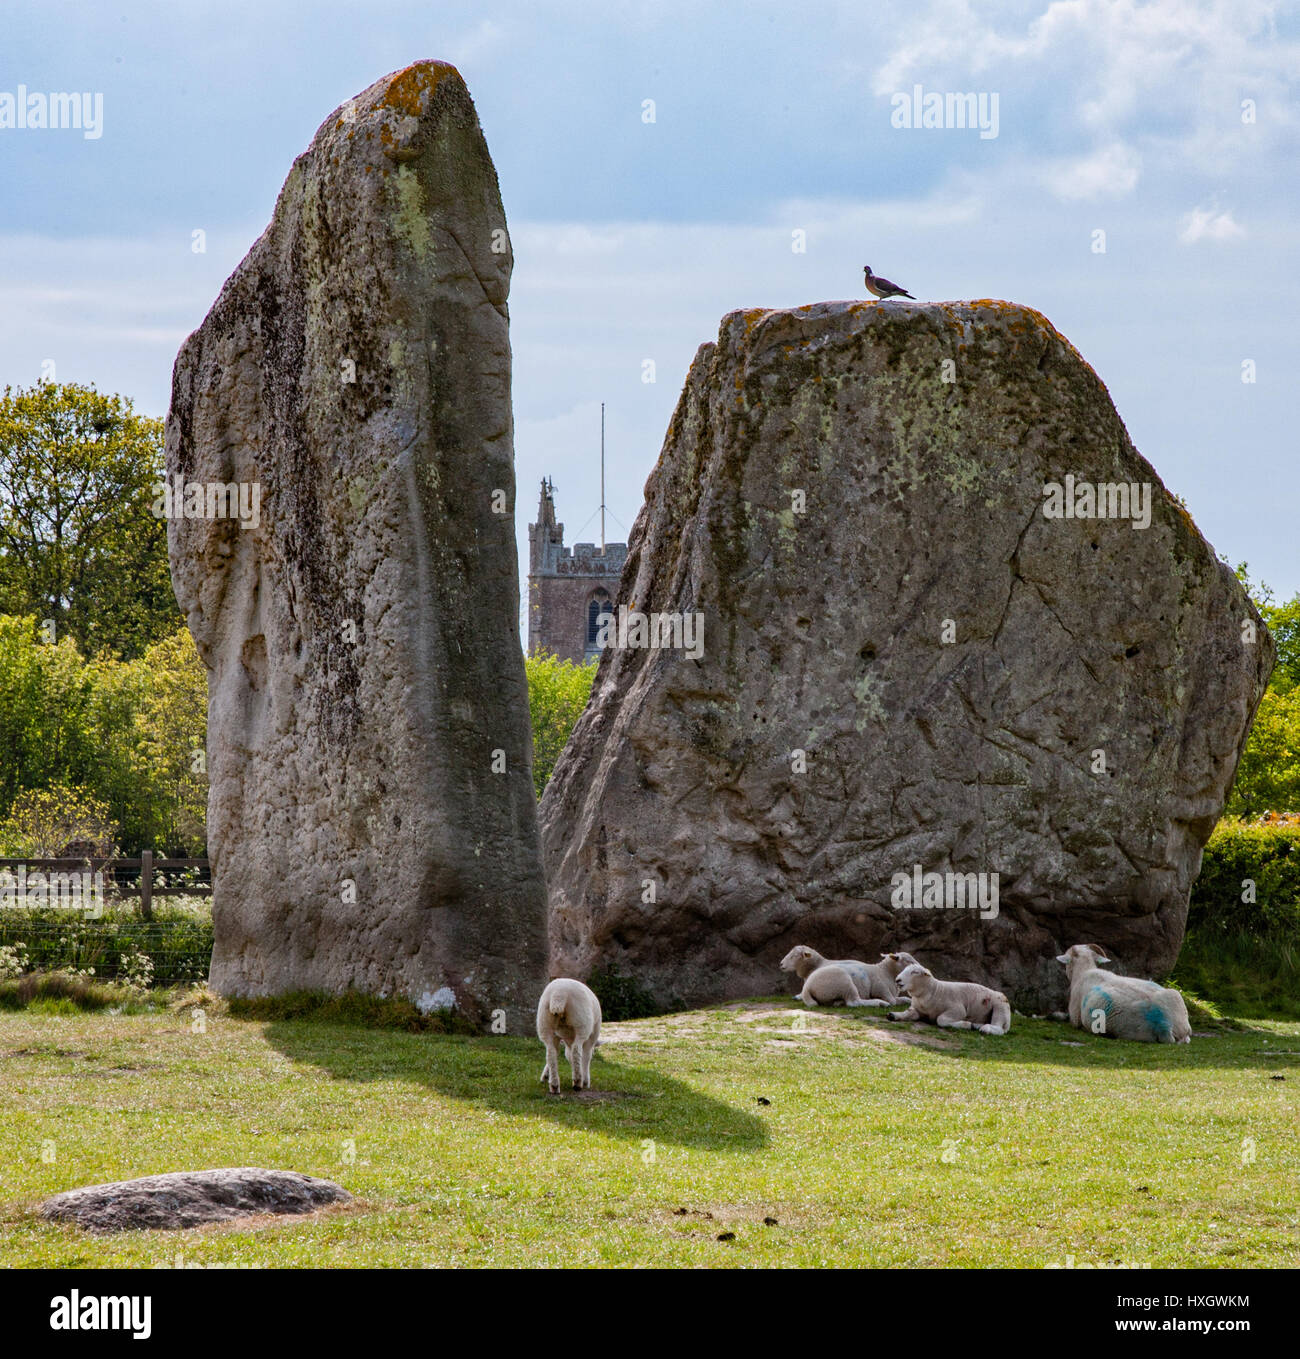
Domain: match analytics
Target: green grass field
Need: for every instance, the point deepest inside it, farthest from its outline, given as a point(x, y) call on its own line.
point(881, 1144)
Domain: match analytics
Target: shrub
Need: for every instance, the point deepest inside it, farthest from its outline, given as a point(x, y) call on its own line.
point(177, 942)
point(621, 997)
point(1266, 854)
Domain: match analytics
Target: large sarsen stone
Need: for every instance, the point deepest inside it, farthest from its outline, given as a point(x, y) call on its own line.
point(371, 821)
point(909, 667)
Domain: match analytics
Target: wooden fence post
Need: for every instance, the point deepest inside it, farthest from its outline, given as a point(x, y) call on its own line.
point(146, 884)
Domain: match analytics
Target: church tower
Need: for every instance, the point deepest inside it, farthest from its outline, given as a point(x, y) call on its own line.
point(569, 589)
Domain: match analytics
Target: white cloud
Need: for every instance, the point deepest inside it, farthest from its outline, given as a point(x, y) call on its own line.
point(1118, 78)
point(1209, 224)
point(1111, 172)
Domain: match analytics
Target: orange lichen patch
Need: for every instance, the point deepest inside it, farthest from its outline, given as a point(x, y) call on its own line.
point(1016, 309)
point(1181, 511)
point(407, 88)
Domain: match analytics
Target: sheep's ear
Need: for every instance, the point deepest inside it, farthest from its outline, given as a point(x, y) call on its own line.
point(1100, 959)
point(1062, 958)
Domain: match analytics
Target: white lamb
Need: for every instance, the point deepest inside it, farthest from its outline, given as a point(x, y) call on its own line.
point(829, 985)
point(568, 1012)
point(1121, 1007)
point(874, 982)
point(952, 1005)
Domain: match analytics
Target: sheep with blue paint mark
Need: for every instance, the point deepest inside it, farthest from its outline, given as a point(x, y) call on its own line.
point(1121, 1007)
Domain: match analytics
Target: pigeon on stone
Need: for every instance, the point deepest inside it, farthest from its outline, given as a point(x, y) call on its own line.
point(882, 287)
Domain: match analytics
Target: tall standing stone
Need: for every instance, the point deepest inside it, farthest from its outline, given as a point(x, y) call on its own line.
point(907, 665)
point(371, 816)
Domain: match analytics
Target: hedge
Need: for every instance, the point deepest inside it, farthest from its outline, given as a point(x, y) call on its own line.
point(1265, 853)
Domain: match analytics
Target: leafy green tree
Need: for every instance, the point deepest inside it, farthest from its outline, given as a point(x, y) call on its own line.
point(125, 732)
point(79, 542)
point(170, 733)
point(44, 822)
point(1268, 777)
point(45, 700)
point(557, 693)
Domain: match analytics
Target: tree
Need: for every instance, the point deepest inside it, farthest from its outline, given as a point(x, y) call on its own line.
point(79, 543)
point(45, 823)
point(170, 732)
point(1268, 777)
point(557, 693)
point(127, 733)
point(45, 699)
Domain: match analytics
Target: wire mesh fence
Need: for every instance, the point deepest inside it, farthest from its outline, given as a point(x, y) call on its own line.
point(177, 942)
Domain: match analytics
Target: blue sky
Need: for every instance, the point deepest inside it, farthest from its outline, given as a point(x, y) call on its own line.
point(632, 239)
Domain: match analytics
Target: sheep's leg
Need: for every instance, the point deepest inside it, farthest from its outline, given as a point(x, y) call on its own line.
point(949, 1020)
point(576, 1054)
point(876, 1002)
point(587, 1049)
point(910, 1013)
point(575, 1063)
point(552, 1069)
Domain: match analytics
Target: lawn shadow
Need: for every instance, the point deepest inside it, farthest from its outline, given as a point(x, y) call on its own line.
point(502, 1074)
point(1037, 1041)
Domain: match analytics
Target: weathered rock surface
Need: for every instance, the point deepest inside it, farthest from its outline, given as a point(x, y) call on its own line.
point(950, 659)
point(361, 637)
point(190, 1199)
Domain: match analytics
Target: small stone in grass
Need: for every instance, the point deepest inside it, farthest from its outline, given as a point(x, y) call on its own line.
point(726, 1236)
point(764, 1100)
point(769, 1222)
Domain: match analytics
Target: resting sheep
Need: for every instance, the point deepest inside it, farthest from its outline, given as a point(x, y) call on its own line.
point(952, 1005)
point(874, 982)
point(1121, 1007)
point(831, 983)
point(568, 1012)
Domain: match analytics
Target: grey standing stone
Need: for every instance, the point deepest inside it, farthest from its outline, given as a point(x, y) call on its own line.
point(949, 658)
point(362, 639)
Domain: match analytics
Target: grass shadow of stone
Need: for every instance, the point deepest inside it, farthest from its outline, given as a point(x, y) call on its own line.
point(1045, 1041)
point(501, 1074)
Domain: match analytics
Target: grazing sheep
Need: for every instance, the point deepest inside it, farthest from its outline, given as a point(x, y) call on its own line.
point(568, 1012)
point(952, 1005)
point(874, 981)
point(1129, 1007)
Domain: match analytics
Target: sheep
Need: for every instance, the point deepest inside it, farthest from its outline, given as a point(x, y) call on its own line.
point(874, 981)
point(1121, 1007)
point(830, 983)
point(569, 1012)
point(952, 1005)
